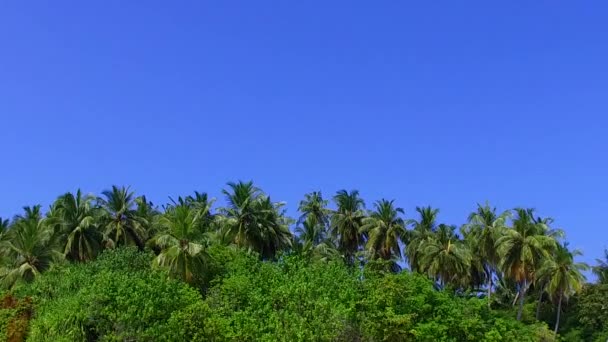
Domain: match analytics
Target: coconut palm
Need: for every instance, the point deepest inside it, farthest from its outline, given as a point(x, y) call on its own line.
point(119, 219)
point(422, 230)
point(77, 218)
point(273, 227)
point(31, 247)
point(181, 243)
point(444, 257)
point(240, 212)
point(385, 229)
point(200, 201)
point(313, 205)
point(4, 224)
point(521, 249)
point(601, 270)
point(310, 230)
point(482, 230)
point(147, 214)
point(253, 221)
point(478, 274)
point(4, 228)
point(311, 241)
point(544, 224)
point(562, 276)
point(346, 223)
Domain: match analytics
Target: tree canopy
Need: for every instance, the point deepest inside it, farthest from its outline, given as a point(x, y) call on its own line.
point(119, 267)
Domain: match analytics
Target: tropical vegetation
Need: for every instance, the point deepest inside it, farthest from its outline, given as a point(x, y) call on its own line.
point(118, 267)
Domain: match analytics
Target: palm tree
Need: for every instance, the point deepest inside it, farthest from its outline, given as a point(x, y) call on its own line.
point(421, 231)
point(346, 223)
point(310, 230)
point(601, 270)
point(273, 227)
point(313, 205)
point(147, 214)
point(77, 218)
point(4, 224)
point(120, 221)
point(483, 229)
point(181, 243)
point(311, 241)
point(4, 228)
point(521, 249)
point(563, 276)
point(253, 221)
point(444, 257)
point(200, 201)
point(385, 229)
point(477, 275)
point(31, 248)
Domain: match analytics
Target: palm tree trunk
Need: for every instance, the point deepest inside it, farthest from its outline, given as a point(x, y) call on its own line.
point(522, 292)
point(136, 239)
point(559, 311)
point(489, 292)
point(540, 299)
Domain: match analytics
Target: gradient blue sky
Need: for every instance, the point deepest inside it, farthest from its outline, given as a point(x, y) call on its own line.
point(435, 102)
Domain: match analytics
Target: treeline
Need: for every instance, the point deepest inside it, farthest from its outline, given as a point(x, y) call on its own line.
point(378, 274)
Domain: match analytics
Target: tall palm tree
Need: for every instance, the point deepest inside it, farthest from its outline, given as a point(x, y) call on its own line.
point(312, 242)
point(385, 229)
point(200, 201)
point(240, 212)
point(483, 229)
point(4, 229)
point(346, 223)
point(313, 205)
point(563, 276)
point(478, 274)
point(444, 257)
point(147, 213)
point(4, 224)
point(181, 243)
point(421, 231)
point(521, 249)
point(120, 221)
point(273, 227)
point(601, 270)
point(253, 221)
point(77, 218)
point(31, 248)
point(310, 230)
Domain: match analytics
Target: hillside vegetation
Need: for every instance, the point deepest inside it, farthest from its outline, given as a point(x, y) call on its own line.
point(119, 268)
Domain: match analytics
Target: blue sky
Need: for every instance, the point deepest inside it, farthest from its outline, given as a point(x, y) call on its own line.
point(430, 103)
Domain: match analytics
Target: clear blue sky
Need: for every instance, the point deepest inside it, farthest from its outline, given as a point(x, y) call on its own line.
point(441, 103)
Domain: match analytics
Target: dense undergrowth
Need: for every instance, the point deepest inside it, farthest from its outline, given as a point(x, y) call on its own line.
point(119, 297)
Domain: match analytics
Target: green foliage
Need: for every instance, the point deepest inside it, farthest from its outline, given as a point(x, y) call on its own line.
point(293, 300)
point(254, 222)
point(405, 307)
point(601, 270)
point(115, 298)
point(286, 301)
point(240, 275)
point(590, 315)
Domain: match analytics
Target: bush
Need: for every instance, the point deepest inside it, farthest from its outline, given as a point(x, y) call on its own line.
point(116, 298)
point(405, 307)
point(284, 301)
point(119, 297)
